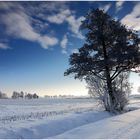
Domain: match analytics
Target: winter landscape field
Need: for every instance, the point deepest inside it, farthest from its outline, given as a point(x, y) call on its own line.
point(69, 69)
point(66, 118)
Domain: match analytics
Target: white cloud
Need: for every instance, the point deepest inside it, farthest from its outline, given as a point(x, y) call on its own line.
point(132, 20)
point(64, 42)
point(18, 25)
point(119, 5)
point(51, 6)
point(69, 17)
point(64, 51)
point(75, 25)
point(4, 46)
point(106, 7)
point(74, 51)
point(9, 6)
point(47, 41)
point(60, 17)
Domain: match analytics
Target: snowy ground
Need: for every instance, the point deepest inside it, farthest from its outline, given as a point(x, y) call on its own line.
point(65, 118)
point(126, 126)
point(41, 118)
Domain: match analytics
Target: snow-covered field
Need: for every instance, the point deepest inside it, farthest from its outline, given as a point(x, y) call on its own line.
point(39, 118)
point(65, 118)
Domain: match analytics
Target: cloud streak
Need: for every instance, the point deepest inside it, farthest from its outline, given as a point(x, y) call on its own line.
point(119, 5)
point(59, 18)
point(106, 7)
point(132, 20)
point(64, 42)
point(4, 46)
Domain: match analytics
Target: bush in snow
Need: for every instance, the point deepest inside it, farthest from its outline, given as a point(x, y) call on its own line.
point(121, 90)
point(97, 89)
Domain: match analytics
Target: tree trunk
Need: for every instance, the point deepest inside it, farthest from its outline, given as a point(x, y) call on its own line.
point(110, 91)
point(108, 78)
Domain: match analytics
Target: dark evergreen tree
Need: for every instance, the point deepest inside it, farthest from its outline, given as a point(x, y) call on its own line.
point(109, 50)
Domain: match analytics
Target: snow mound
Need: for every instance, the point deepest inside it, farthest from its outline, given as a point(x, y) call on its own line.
point(125, 126)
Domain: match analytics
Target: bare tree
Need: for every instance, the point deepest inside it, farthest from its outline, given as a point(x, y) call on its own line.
point(121, 90)
point(98, 90)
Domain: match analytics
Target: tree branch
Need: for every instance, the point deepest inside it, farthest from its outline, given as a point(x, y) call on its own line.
point(112, 78)
point(99, 76)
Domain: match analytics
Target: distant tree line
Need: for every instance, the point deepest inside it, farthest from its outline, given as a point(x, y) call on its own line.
point(59, 96)
point(21, 94)
point(18, 95)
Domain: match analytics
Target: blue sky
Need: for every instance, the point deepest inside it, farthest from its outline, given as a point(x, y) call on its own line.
point(36, 39)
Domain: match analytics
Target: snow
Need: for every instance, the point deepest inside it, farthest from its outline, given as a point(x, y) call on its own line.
point(54, 126)
point(65, 118)
point(125, 126)
point(22, 109)
point(39, 118)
